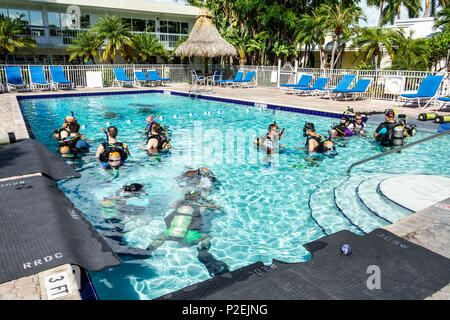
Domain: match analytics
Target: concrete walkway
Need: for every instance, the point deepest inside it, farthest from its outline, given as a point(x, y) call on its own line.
point(429, 228)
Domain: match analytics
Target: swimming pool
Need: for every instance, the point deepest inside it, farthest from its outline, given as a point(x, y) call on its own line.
point(270, 211)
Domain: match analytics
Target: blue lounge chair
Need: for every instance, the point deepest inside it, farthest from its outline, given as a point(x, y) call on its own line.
point(443, 101)
point(342, 85)
point(14, 78)
point(238, 76)
point(121, 77)
point(427, 91)
point(247, 81)
point(59, 78)
point(154, 76)
point(304, 81)
point(141, 77)
point(216, 77)
point(37, 78)
point(318, 86)
point(360, 87)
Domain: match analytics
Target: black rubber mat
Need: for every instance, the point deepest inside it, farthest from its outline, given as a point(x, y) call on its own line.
point(40, 229)
point(213, 285)
point(28, 156)
point(381, 266)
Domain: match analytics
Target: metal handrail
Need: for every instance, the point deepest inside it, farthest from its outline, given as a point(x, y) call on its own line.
point(396, 150)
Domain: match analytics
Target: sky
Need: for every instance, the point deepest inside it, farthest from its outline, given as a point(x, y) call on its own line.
point(372, 13)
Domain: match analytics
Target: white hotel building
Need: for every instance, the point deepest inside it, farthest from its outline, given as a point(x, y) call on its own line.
point(51, 23)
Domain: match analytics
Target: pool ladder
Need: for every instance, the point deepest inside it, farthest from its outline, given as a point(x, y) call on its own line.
point(201, 85)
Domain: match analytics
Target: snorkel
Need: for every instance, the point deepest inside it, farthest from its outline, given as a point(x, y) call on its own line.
point(107, 137)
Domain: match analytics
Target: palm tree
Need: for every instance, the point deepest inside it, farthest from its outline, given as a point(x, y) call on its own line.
point(339, 19)
point(392, 9)
point(371, 42)
point(311, 31)
point(259, 44)
point(116, 35)
point(240, 40)
point(145, 45)
point(86, 46)
point(443, 18)
point(409, 62)
point(431, 6)
point(405, 46)
point(10, 35)
point(281, 48)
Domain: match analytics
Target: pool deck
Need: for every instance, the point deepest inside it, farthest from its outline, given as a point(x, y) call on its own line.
point(429, 228)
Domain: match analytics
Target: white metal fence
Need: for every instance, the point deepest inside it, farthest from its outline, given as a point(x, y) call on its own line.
point(266, 76)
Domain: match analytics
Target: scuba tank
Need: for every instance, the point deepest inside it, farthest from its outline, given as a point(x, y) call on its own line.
point(7, 137)
point(442, 119)
point(427, 116)
point(398, 135)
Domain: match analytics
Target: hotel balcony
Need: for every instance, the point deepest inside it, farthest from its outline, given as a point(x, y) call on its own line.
point(53, 37)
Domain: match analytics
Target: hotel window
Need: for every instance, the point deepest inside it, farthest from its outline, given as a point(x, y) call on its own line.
point(127, 21)
point(163, 26)
point(17, 13)
point(37, 23)
point(53, 19)
point(36, 18)
point(85, 22)
point(138, 25)
point(66, 20)
point(150, 26)
point(172, 28)
point(184, 28)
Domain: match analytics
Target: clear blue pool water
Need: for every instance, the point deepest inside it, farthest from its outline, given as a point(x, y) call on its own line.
point(267, 211)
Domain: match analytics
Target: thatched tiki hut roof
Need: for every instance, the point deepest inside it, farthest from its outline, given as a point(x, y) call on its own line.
point(205, 40)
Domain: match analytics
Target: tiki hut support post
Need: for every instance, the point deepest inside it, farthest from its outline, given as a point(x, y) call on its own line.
point(205, 41)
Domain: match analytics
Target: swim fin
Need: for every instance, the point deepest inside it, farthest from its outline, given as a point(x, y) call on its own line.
point(215, 267)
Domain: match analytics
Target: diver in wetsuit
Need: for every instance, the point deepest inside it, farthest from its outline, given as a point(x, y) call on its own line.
point(184, 225)
point(270, 141)
point(122, 212)
point(70, 142)
point(316, 143)
point(384, 132)
point(112, 154)
point(157, 140)
point(202, 179)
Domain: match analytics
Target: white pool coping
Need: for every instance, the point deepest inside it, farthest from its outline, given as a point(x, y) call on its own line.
point(416, 192)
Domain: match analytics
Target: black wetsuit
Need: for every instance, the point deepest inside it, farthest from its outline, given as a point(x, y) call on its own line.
point(385, 139)
point(320, 140)
point(340, 129)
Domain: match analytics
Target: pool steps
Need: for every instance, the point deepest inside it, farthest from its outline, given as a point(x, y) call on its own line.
point(372, 198)
point(355, 202)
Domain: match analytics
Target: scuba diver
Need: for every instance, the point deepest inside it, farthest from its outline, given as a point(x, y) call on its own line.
point(112, 154)
point(357, 125)
point(202, 179)
point(392, 133)
point(184, 225)
point(341, 130)
point(61, 133)
point(157, 140)
point(122, 212)
point(270, 141)
point(317, 143)
point(124, 201)
point(70, 141)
